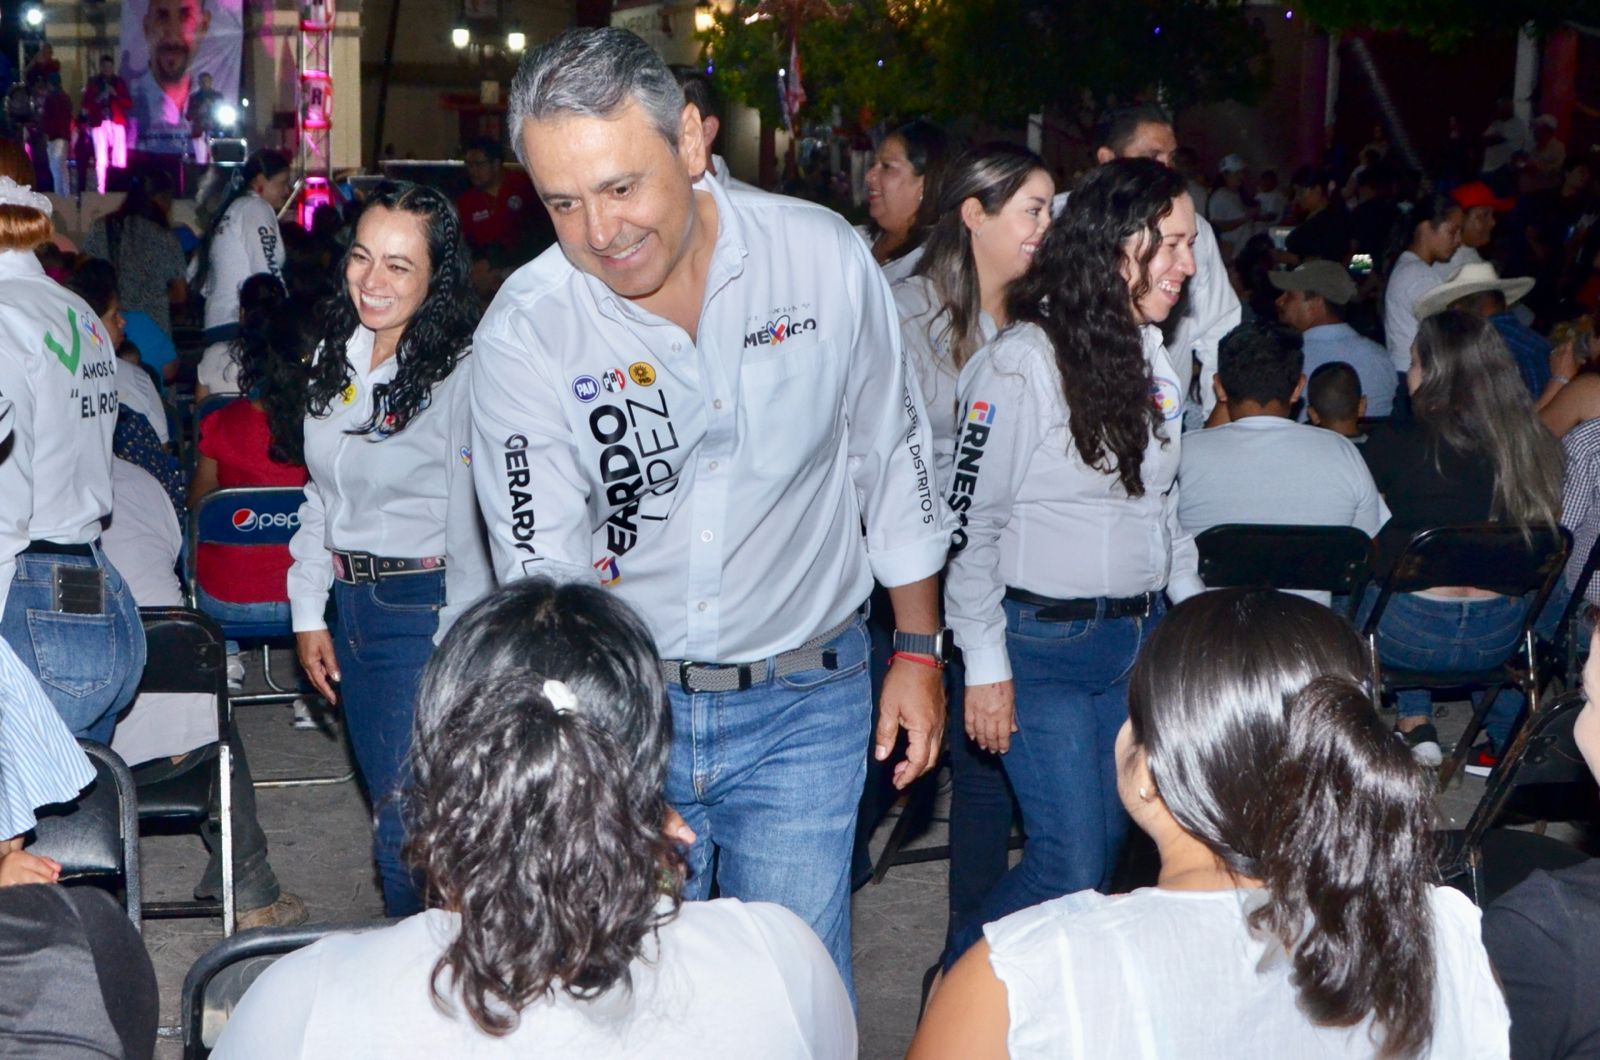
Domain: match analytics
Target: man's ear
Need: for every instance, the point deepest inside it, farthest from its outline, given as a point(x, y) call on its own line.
point(1361, 407)
point(693, 148)
point(1102, 155)
point(711, 124)
point(1299, 388)
point(1216, 385)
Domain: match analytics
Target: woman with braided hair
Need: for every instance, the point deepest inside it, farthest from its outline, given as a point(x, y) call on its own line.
point(390, 524)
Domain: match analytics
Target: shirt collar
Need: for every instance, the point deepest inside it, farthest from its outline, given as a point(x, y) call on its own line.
point(1327, 331)
point(15, 264)
point(1264, 423)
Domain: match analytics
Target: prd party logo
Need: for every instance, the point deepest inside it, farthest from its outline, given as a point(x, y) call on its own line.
point(980, 412)
point(246, 520)
point(613, 380)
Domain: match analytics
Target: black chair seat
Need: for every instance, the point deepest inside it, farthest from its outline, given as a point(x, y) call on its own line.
point(1510, 855)
point(95, 837)
point(1444, 679)
point(183, 799)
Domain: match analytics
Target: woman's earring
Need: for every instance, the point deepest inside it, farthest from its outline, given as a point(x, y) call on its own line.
point(1144, 793)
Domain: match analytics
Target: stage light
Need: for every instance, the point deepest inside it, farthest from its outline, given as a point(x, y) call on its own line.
point(516, 41)
point(460, 37)
point(227, 116)
point(704, 16)
point(33, 15)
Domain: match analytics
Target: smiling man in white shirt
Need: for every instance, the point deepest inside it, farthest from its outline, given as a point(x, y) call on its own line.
point(699, 397)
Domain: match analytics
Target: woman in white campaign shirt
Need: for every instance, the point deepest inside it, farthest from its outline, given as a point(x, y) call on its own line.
point(1065, 483)
point(903, 195)
point(540, 823)
point(994, 209)
point(390, 523)
point(243, 240)
point(64, 609)
point(1296, 912)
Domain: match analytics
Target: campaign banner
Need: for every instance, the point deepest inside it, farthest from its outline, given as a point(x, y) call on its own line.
point(169, 49)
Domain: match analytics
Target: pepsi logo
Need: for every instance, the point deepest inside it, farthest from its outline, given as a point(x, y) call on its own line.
point(245, 519)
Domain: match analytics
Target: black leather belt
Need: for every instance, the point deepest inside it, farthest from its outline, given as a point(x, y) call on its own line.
point(1054, 610)
point(51, 548)
point(353, 568)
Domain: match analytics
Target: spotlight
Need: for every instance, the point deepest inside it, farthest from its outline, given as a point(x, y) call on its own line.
point(227, 116)
point(33, 15)
point(460, 37)
point(516, 41)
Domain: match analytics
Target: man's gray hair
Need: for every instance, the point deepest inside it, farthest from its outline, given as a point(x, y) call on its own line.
point(594, 73)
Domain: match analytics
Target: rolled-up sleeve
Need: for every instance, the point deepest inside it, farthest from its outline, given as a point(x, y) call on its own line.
point(1183, 576)
point(533, 494)
point(889, 441)
point(1000, 430)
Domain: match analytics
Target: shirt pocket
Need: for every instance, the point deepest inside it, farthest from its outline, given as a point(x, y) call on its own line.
point(789, 406)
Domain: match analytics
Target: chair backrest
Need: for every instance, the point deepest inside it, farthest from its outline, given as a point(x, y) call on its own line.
point(95, 837)
point(209, 404)
point(243, 516)
point(1543, 752)
point(217, 981)
point(1489, 556)
point(185, 652)
point(1334, 559)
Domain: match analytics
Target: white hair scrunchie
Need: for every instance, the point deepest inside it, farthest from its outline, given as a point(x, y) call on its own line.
point(14, 194)
point(560, 696)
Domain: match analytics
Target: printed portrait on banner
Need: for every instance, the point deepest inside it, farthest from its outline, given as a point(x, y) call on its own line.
point(166, 46)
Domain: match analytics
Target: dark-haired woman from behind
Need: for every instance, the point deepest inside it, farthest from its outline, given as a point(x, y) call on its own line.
point(253, 441)
point(553, 864)
point(1066, 487)
point(390, 527)
point(1297, 912)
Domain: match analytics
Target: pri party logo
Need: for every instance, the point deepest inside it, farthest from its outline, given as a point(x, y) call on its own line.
point(613, 380)
point(980, 412)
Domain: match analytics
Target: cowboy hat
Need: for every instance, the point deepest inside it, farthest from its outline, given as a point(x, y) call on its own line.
point(1473, 278)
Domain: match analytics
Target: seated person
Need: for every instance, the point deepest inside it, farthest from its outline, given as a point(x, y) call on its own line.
point(1473, 452)
point(1334, 401)
point(1324, 228)
point(1295, 913)
point(1580, 501)
point(95, 281)
point(558, 929)
point(1477, 288)
point(1313, 303)
point(158, 733)
point(1543, 935)
point(253, 441)
point(1261, 466)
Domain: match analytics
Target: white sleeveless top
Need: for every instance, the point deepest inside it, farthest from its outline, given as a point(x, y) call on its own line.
point(1157, 974)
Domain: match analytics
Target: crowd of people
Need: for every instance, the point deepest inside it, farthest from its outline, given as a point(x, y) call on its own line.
point(586, 573)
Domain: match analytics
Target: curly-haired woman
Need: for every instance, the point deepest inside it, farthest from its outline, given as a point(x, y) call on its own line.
point(390, 523)
point(554, 865)
point(1065, 482)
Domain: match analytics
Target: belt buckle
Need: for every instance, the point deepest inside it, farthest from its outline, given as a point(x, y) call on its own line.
point(362, 568)
point(685, 678)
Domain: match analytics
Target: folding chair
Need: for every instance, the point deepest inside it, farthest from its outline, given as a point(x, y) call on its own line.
point(217, 981)
point(1485, 861)
point(1489, 556)
point(96, 836)
point(247, 517)
point(1330, 559)
point(1569, 635)
point(186, 654)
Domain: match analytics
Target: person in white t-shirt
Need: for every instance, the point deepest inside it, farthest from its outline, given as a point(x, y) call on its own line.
point(95, 281)
point(1296, 912)
point(554, 864)
point(1428, 232)
point(1233, 219)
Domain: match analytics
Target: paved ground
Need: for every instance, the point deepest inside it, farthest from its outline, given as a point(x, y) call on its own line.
point(319, 842)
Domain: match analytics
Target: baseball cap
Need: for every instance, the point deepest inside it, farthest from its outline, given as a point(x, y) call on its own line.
point(1328, 279)
point(1478, 193)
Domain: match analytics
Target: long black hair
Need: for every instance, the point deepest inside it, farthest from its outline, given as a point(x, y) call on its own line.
point(1075, 292)
point(434, 340)
point(145, 199)
point(991, 174)
point(1263, 745)
point(927, 147)
point(1432, 207)
point(538, 762)
point(271, 354)
point(266, 163)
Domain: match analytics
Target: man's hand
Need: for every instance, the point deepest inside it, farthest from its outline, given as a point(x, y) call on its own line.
point(913, 699)
point(315, 648)
point(990, 712)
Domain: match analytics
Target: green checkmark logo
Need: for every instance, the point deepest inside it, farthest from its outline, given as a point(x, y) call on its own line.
point(70, 360)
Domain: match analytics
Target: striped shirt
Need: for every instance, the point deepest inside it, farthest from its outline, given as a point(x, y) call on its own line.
point(40, 763)
point(1580, 499)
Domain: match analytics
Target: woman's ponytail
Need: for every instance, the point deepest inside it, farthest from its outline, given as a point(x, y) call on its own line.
point(1348, 865)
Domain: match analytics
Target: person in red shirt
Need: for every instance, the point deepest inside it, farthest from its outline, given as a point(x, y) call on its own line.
point(106, 105)
point(254, 441)
point(501, 208)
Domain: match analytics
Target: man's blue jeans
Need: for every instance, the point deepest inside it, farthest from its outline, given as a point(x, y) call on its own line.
point(383, 636)
point(769, 779)
point(1071, 682)
point(1446, 636)
point(89, 665)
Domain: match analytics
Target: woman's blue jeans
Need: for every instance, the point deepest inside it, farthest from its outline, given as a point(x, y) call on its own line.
point(383, 635)
point(1071, 681)
point(89, 665)
point(1451, 635)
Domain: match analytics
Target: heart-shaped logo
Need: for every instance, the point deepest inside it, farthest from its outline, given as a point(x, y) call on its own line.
point(69, 360)
point(779, 329)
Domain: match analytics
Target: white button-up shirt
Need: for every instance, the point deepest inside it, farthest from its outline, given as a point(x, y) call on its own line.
point(720, 484)
point(1036, 517)
point(925, 334)
point(1409, 280)
point(58, 371)
point(405, 495)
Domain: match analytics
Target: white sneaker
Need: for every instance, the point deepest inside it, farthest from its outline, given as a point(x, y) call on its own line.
point(235, 673)
point(302, 715)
